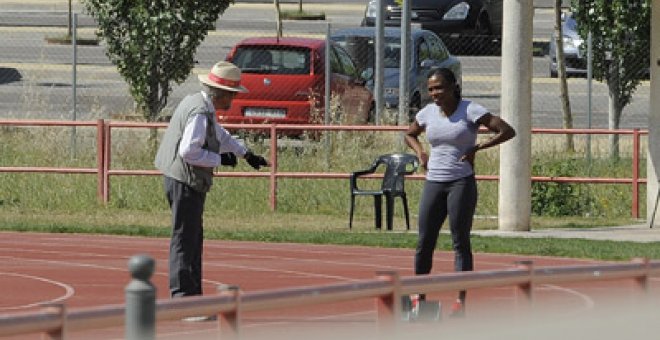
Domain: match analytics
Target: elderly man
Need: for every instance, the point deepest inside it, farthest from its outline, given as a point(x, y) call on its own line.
point(193, 144)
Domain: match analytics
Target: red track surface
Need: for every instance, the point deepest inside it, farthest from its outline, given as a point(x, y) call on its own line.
point(91, 270)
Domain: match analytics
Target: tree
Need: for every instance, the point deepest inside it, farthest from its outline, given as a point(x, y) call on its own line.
point(561, 72)
point(278, 18)
point(153, 43)
point(621, 33)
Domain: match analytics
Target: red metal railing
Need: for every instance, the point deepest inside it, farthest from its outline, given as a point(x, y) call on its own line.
point(104, 148)
point(386, 289)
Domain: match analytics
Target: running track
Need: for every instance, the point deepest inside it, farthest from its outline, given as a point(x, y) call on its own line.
point(91, 270)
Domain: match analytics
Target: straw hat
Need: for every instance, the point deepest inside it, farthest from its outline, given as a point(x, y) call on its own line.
point(225, 76)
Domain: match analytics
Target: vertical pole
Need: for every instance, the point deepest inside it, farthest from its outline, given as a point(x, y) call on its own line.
point(524, 291)
point(273, 167)
point(635, 174)
point(60, 333)
point(229, 322)
point(278, 19)
point(388, 306)
point(653, 153)
point(515, 187)
point(379, 67)
point(74, 86)
point(643, 281)
point(140, 316)
point(655, 206)
point(328, 74)
point(589, 77)
point(100, 153)
point(328, 93)
point(106, 163)
point(404, 85)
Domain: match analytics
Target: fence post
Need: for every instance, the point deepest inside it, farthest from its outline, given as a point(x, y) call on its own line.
point(525, 289)
point(100, 154)
point(107, 152)
point(140, 316)
point(230, 322)
point(635, 174)
point(60, 309)
point(643, 281)
point(388, 306)
point(273, 167)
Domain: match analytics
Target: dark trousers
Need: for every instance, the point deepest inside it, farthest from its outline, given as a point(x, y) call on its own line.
point(456, 199)
point(185, 262)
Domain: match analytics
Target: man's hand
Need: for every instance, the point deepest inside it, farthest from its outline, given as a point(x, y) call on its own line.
point(255, 161)
point(228, 159)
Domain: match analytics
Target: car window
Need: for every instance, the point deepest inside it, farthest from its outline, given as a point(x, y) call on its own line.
point(571, 24)
point(335, 65)
point(272, 59)
point(436, 48)
point(392, 49)
point(392, 55)
point(423, 52)
point(347, 66)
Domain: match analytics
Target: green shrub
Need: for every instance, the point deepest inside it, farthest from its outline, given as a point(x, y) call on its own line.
point(560, 199)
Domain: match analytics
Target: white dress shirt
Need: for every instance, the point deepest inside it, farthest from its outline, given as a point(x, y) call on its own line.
point(194, 136)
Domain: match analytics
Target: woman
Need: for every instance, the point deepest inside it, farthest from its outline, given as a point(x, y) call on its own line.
point(451, 124)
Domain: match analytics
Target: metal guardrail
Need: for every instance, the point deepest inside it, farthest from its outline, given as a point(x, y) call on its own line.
point(104, 150)
point(387, 289)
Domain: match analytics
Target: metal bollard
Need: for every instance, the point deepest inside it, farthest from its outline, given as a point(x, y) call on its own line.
point(140, 319)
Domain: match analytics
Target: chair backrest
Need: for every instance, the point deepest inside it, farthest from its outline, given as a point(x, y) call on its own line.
point(397, 165)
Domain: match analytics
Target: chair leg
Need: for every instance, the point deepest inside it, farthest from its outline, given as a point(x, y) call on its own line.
point(657, 198)
point(405, 210)
point(350, 219)
point(378, 210)
point(389, 211)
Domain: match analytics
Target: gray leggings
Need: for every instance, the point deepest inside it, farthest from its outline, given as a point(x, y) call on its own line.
point(456, 199)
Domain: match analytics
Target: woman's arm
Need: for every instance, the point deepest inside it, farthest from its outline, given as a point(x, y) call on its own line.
point(412, 141)
point(503, 132)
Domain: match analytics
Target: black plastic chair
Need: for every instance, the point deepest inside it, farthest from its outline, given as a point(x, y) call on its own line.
point(396, 167)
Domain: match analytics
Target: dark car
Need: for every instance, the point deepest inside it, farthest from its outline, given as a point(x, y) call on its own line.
point(286, 82)
point(452, 20)
point(428, 52)
point(575, 61)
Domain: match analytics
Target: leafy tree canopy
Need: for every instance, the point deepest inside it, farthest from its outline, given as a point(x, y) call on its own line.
point(153, 43)
point(621, 33)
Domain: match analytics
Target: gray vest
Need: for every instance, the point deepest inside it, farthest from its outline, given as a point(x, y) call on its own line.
point(168, 160)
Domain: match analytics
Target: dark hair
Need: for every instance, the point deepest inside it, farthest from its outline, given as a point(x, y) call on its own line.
point(448, 75)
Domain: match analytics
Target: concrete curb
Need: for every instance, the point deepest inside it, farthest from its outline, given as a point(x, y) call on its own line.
point(640, 233)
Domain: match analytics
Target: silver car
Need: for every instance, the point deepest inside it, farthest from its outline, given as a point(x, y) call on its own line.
point(575, 60)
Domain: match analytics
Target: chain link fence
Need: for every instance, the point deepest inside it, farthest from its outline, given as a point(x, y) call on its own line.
point(37, 74)
point(39, 79)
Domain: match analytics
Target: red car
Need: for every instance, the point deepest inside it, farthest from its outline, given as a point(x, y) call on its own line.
point(286, 82)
